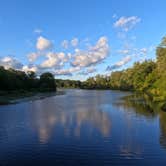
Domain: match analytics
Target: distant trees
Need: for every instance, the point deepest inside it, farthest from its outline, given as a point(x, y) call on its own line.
point(14, 80)
point(139, 77)
point(68, 83)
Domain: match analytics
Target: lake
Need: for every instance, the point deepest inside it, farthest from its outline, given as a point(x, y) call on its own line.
point(82, 127)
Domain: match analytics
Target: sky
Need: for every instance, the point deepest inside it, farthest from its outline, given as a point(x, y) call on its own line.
point(77, 39)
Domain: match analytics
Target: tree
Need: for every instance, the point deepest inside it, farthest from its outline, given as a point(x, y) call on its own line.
point(161, 57)
point(47, 82)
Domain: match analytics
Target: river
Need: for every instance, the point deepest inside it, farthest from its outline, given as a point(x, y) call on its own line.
point(82, 127)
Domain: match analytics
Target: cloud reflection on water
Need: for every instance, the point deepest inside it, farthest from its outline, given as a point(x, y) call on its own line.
point(72, 118)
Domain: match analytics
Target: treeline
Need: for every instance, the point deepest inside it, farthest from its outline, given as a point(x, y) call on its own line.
point(60, 83)
point(14, 80)
point(129, 79)
point(148, 76)
point(18, 81)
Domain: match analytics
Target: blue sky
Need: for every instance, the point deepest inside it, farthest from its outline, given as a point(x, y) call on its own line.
point(76, 39)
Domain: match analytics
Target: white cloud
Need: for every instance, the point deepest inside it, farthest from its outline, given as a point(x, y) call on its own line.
point(69, 55)
point(143, 50)
point(74, 42)
point(27, 68)
point(54, 60)
point(125, 51)
point(126, 23)
point(33, 56)
point(114, 16)
point(140, 52)
point(91, 70)
point(59, 62)
point(88, 71)
point(68, 72)
point(38, 31)
point(43, 44)
point(119, 64)
point(10, 62)
point(93, 55)
point(152, 48)
point(65, 44)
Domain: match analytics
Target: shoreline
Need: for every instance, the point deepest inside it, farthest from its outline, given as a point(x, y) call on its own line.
point(17, 97)
point(14, 97)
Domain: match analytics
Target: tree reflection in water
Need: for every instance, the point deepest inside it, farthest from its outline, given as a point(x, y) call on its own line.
point(162, 117)
point(143, 106)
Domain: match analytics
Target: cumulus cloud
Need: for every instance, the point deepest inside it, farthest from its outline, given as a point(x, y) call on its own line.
point(143, 50)
point(88, 71)
point(114, 15)
point(33, 56)
point(65, 44)
point(141, 54)
point(68, 72)
point(54, 60)
point(38, 31)
point(125, 51)
point(119, 64)
point(126, 23)
point(91, 70)
point(43, 44)
point(27, 68)
point(10, 62)
point(74, 42)
point(94, 55)
point(61, 63)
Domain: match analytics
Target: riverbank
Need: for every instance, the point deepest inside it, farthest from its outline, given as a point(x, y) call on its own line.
point(138, 95)
point(146, 99)
point(13, 97)
point(21, 96)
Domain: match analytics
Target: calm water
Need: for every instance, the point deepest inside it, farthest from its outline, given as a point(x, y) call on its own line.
point(82, 128)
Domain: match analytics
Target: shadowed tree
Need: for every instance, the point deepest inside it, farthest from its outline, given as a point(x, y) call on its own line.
point(47, 82)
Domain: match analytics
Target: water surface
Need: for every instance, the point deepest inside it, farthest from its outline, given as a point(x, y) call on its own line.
point(82, 127)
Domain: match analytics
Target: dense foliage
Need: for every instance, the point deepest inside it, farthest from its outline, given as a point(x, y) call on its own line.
point(14, 80)
point(130, 79)
point(68, 83)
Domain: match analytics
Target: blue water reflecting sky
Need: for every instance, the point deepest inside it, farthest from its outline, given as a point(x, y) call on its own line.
point(91, 127)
